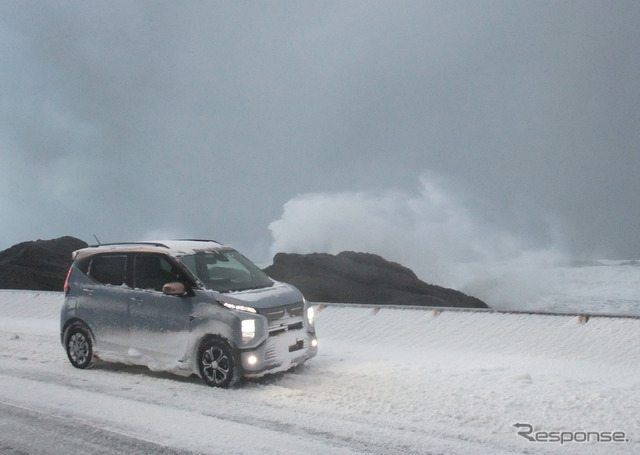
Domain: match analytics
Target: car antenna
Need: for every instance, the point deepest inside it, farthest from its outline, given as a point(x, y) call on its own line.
point(97, 239)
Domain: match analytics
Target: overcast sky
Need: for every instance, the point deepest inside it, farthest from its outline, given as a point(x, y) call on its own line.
point(470, 129)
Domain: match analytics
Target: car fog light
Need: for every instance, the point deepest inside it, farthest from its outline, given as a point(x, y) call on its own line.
point(252, 360)
point(314, 343)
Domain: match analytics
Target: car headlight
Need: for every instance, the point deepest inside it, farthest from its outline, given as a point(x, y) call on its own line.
point(311, 316)
point(233, 306)
point(248, 330)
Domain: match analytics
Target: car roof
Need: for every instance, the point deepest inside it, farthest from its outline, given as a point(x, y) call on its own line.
point(178, 247)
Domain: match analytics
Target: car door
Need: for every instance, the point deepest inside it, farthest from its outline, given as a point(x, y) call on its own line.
point(104, 304)
point(158, 323)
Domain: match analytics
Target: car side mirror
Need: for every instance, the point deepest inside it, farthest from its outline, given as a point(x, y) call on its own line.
point(173, 288)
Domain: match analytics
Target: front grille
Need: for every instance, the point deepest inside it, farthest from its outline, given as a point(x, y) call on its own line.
point(283, 311)
point(284, 318)
point(270, 353)
point(296, 326)
point(277, 330)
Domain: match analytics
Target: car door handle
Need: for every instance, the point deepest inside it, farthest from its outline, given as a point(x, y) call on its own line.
point(136, 300)
point(87, 291)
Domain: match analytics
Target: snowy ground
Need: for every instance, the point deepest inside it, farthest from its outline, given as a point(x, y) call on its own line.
point(393, 381)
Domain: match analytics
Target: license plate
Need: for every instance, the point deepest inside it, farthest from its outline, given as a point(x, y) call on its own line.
point(296, 347)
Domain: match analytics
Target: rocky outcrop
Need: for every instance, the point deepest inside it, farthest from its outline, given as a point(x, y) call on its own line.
point(39, 265)
point(344, 278)
point(351, 277)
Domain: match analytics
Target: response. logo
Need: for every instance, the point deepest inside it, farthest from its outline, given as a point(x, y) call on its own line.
point(526, 431)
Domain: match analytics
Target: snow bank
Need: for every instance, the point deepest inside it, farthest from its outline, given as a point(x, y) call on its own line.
point(35, 311)
point(595, 338)
point(385, 381)
point(598, 339)
point(30, 304)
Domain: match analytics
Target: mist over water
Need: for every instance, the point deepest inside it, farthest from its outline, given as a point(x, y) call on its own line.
point(431, 231)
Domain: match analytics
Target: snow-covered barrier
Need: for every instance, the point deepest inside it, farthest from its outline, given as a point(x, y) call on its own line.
point(38, 312)
point(30, 304)
point(606, 339)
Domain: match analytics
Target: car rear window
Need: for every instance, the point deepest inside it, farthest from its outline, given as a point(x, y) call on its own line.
point(109, 269)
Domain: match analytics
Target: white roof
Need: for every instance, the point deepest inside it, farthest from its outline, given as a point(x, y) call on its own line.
point(172, 247)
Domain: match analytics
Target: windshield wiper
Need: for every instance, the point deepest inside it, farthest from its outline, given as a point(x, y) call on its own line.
point(250, 288)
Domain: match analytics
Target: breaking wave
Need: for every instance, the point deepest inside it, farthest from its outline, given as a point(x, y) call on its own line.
point(432, 231)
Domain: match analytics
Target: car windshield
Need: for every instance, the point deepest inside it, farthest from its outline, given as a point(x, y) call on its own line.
point(226, 271)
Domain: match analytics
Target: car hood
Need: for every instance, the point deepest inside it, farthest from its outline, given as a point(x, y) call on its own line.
point(277, 295)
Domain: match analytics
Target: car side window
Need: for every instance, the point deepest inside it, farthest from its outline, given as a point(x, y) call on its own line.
point(108, 269)
point(153, 271)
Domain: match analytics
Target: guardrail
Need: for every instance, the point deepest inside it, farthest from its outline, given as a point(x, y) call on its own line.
point(438, 309)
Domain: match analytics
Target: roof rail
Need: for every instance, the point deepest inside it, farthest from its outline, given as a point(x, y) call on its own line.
point(130, 243)
point(198, 240)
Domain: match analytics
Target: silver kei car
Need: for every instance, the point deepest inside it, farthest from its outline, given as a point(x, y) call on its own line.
point(186, 306)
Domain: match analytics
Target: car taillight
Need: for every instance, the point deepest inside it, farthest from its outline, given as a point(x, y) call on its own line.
point(66, 282)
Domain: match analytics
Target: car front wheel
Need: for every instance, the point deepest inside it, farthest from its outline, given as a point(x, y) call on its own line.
point(217, 364)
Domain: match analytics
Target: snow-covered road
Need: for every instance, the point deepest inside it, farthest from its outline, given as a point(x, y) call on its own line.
point(394, 381)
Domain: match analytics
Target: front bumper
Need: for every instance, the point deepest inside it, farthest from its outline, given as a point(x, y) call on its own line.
point(279, 352)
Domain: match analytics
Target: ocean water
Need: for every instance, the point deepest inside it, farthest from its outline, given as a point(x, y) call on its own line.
point(593, 287)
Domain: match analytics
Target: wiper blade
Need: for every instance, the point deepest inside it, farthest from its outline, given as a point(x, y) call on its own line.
point(250, 288)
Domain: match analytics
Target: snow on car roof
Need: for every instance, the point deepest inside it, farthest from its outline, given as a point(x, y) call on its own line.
point(174, 247)
point(190, 246)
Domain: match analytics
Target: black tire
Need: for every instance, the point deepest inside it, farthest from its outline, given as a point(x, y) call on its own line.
point(79, 347)
point(217, 363)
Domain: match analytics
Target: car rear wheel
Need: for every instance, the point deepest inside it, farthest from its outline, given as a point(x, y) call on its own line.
point(217, 364)
point(79, 347)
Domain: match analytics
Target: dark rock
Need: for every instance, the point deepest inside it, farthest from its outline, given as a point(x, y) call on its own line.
point(351, 277)
point(40, 265)
point(344, 278)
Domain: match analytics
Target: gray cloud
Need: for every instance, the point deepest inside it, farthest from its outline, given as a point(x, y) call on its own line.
point(133, 119)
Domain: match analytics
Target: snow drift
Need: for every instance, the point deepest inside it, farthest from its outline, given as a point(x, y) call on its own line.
point(386, 381)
